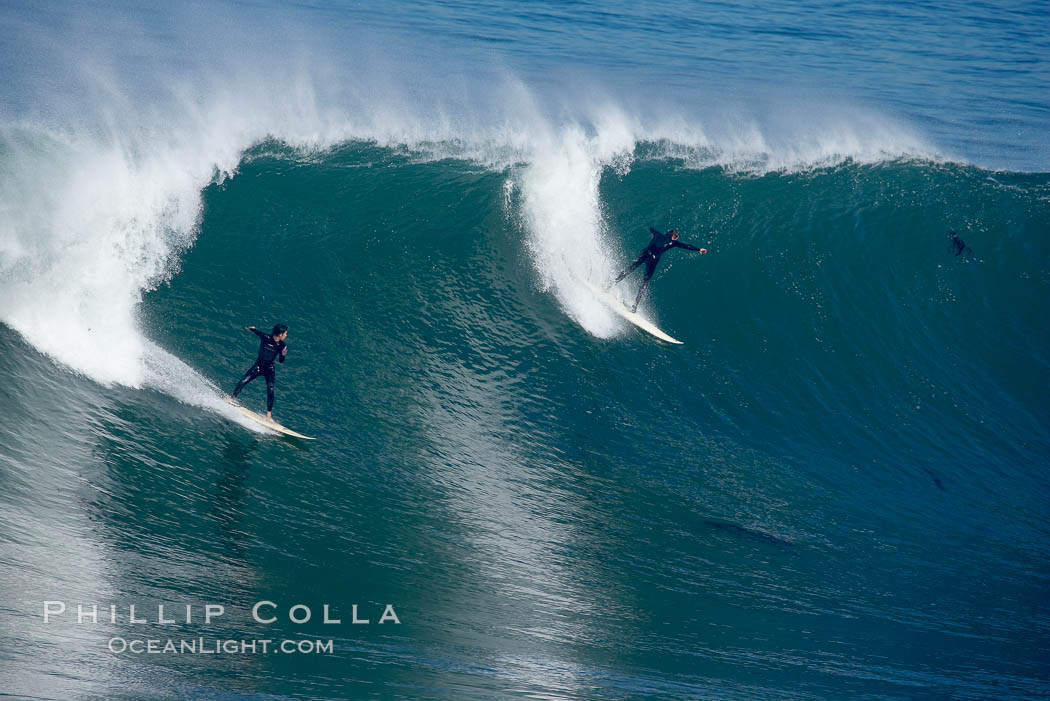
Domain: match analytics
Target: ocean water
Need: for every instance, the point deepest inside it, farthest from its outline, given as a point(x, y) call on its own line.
point(836, 488)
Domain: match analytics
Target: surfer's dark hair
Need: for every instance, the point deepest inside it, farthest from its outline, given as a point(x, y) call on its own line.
point(279, 329)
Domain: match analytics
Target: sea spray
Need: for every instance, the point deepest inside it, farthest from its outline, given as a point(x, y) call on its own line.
point(94, 214)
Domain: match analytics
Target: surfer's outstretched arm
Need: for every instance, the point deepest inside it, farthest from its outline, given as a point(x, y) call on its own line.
point(688, 247)
point(255, 331)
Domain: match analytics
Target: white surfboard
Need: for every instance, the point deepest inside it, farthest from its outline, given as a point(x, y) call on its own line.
point(272, 425)
point(641, 322)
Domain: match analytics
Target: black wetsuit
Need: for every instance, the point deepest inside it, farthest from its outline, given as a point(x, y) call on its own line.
point(269, 350)
point(957, 245)
point(660, 244)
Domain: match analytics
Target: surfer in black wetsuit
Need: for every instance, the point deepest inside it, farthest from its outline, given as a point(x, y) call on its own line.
point(660, 244)
point(956, 245)
point(271, 347)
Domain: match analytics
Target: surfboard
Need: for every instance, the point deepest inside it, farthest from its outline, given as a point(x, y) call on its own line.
point(641, 322)
point(272, 425)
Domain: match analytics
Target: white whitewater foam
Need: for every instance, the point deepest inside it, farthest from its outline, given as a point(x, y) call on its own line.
point(96, 211)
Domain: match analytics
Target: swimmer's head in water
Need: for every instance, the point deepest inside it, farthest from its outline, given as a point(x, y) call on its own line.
point(674, 234)
point(952, 234)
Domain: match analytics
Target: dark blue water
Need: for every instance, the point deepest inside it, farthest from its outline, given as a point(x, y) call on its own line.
point(835, 488)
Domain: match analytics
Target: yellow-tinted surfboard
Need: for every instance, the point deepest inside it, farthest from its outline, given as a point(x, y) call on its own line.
point(272, 425)
point(641, 322)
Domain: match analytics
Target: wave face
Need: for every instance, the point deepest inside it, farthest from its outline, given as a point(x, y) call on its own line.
point(836, 486)
point(851, 438)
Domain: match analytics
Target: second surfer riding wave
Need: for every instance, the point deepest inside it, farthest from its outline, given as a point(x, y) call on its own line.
point(660, 244)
